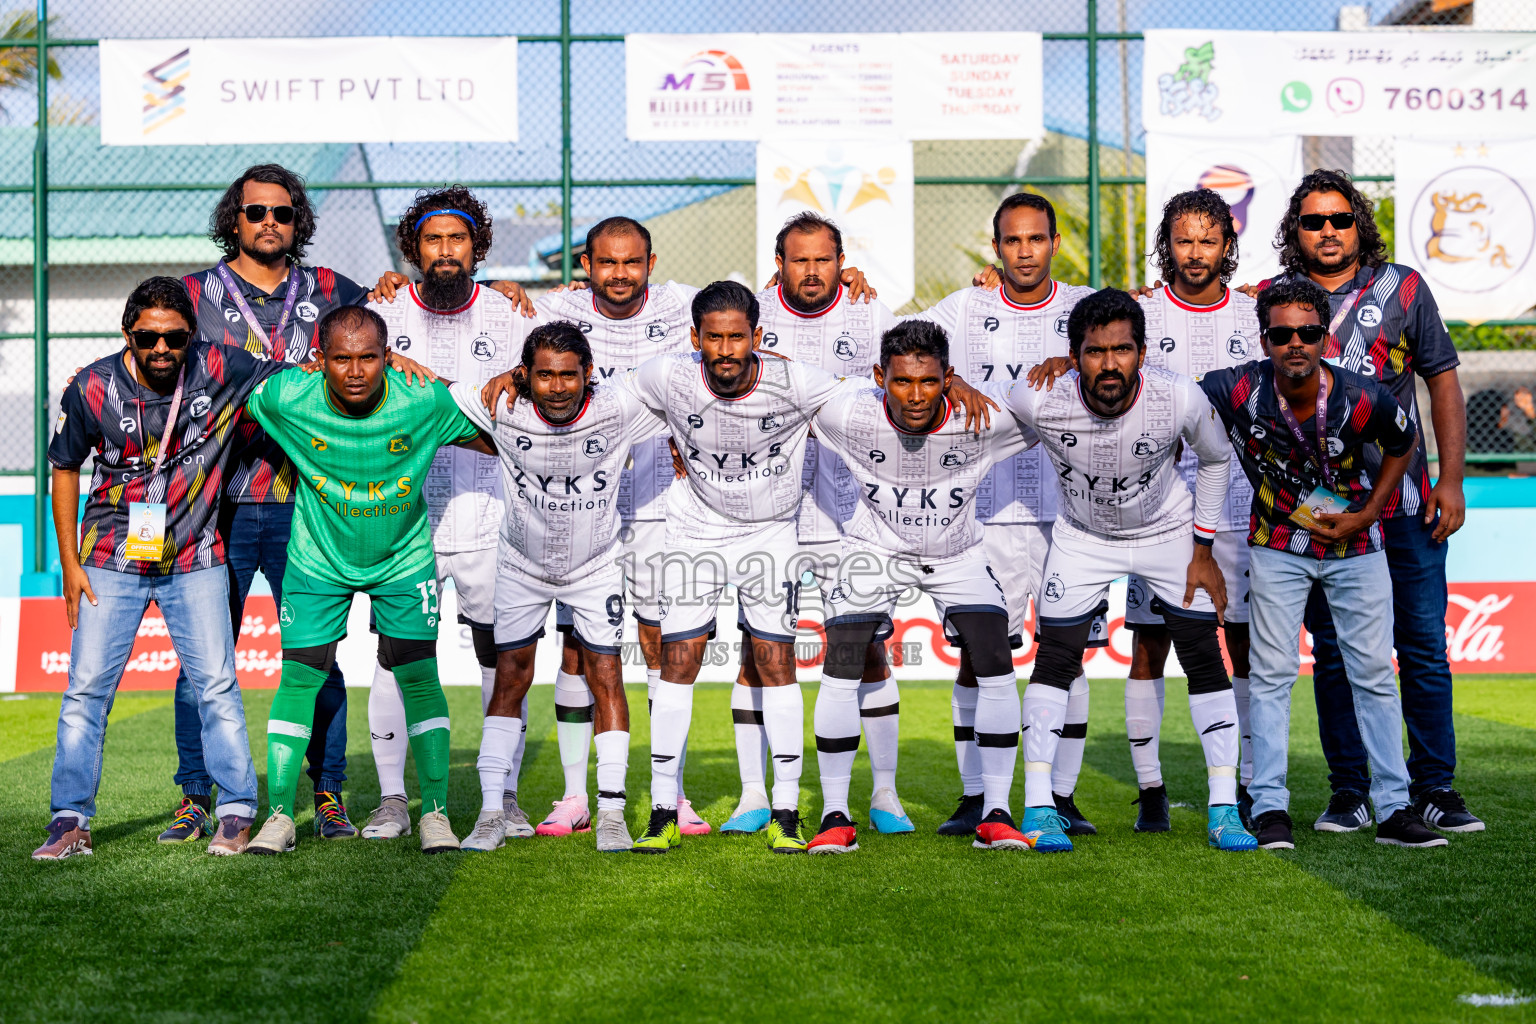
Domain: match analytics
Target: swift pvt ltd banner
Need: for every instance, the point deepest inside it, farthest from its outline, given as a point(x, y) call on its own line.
point(175, 92)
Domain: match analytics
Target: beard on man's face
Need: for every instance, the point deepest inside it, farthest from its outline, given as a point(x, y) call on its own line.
point(445, 284)
point(266, 248)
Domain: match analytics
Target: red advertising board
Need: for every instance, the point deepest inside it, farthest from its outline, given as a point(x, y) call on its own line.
point(1483, 634)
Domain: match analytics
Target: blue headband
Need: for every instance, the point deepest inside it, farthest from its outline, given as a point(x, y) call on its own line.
point(456, 213)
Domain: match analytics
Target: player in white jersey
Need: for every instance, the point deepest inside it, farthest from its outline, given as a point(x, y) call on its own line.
point(914, 531)
point(1112, 430)
point(811, 317)
point(562, 451)
point(467, 333)
point(1195, 324)
point(997, 333)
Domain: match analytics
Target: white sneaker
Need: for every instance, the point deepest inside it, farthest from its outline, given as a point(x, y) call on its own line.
point(436, 834)
point(276, 836)
point(390, 820)
point(612, 832)
point(489, 833)
point(516, 819)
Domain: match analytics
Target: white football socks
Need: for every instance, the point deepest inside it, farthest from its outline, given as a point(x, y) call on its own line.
point(880, 714)
point(386, 728)
point(1143, 728)
point(522, 748)
point(671, 714)
point(498, 739)
point(1240, 697)
point(751, 739)
point(784, 721)
point(1215, 718)
point(487, 687)
point(962, 706)
point(997, 738)
point(573, 729)
point(1045, 708)
point(837, 740)
point(1074, 737)
point(612, 765)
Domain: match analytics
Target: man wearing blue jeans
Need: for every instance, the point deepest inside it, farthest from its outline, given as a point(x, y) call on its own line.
point(1301, 431)
point(159, 417)
point(1385, 325)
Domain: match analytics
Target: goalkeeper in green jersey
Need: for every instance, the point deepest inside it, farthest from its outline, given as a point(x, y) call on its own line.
point(362, 441)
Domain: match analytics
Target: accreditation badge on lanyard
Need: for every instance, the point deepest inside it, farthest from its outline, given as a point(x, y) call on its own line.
point(277, 349)
point(146, 519)
point(1320, 501)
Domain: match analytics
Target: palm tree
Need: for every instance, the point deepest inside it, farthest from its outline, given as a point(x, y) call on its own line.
point(18, 65)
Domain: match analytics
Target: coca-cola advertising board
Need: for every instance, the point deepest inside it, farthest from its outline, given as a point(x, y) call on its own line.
point(1483, 634)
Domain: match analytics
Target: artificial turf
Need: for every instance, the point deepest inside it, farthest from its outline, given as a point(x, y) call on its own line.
point(910, 927)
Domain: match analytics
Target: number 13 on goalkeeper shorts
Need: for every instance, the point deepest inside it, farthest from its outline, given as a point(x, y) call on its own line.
point(428, 590)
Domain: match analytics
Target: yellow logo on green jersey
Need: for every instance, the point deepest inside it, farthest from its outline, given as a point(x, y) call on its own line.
point(319, 443)
point(400, 444)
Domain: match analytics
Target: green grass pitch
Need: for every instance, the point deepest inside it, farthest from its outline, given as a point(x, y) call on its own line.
point(911, 927)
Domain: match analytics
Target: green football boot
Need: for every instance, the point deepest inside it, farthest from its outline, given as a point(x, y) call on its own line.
point(784, 832)
point(661, 835)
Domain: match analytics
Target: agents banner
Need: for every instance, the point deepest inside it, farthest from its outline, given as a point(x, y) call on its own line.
point(175, 92)
point(865, 187)
point(878, 86)
point(1406, 84)
point(1466, 220)
point(1254, 176)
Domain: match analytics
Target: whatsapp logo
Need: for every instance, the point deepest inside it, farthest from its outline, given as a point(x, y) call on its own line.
point(1295, 97)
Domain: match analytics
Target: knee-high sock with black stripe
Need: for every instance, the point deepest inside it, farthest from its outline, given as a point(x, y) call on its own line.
point(573, 729)
point(880, 714)
point(1074, 737)
point(962, 705)
point(751, 739)
point(836, 720)
point(426, 717)
point(997, 737)
point(289, 726)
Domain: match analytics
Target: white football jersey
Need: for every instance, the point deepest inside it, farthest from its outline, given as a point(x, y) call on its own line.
point(992, 338)
point(917, 492)
point(618, 346)
point(1192, 340)
point(744, 455)
point(844, 338)
point(562, 480)
point(1119, 481)
point(481, 339)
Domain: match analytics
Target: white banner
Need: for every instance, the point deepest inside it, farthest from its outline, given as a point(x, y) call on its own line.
point(1466, 220)
point(1254, 176)
point(866, 188)
point(164, 92)
point(1407, 84)
point(881, 86)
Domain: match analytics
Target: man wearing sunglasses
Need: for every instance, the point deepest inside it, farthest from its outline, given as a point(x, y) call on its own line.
point(1385, 325)
point(162, 418)
point(1305, 434)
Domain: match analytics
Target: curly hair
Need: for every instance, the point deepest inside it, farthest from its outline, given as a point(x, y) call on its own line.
point(1208, 204)
point(223, 223)
point(454, 197)
point(1373, 251)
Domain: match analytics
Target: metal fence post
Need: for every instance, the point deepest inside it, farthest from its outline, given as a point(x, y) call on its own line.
point(565, 141)
point(40, 303)
point(1095, 248)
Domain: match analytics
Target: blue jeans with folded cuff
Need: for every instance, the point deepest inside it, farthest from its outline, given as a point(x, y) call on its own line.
point(1354, 587)
point(256, 537)
point(194, 605)
point(1417, 564)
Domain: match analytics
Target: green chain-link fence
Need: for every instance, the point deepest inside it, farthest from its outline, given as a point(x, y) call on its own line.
point(111, 216)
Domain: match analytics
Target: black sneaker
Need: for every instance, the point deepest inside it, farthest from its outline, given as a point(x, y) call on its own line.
point(1273, 831)
point(965, 819)
point(1245, 807)
point(1077, 825)
point(1347, 812)
point(1153, 815)
point(1444, 809)
point(1406, 828)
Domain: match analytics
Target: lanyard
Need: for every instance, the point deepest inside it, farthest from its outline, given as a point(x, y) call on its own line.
point(170, 422)
point(250, 318)
point(1344, 311)
point(1321, 423)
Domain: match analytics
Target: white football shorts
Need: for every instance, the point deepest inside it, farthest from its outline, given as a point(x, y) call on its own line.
point(1231, 552)
point(1081, 568)
point(871, 586)
point(595, 603)
point(474, 581)
point(760, 565)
